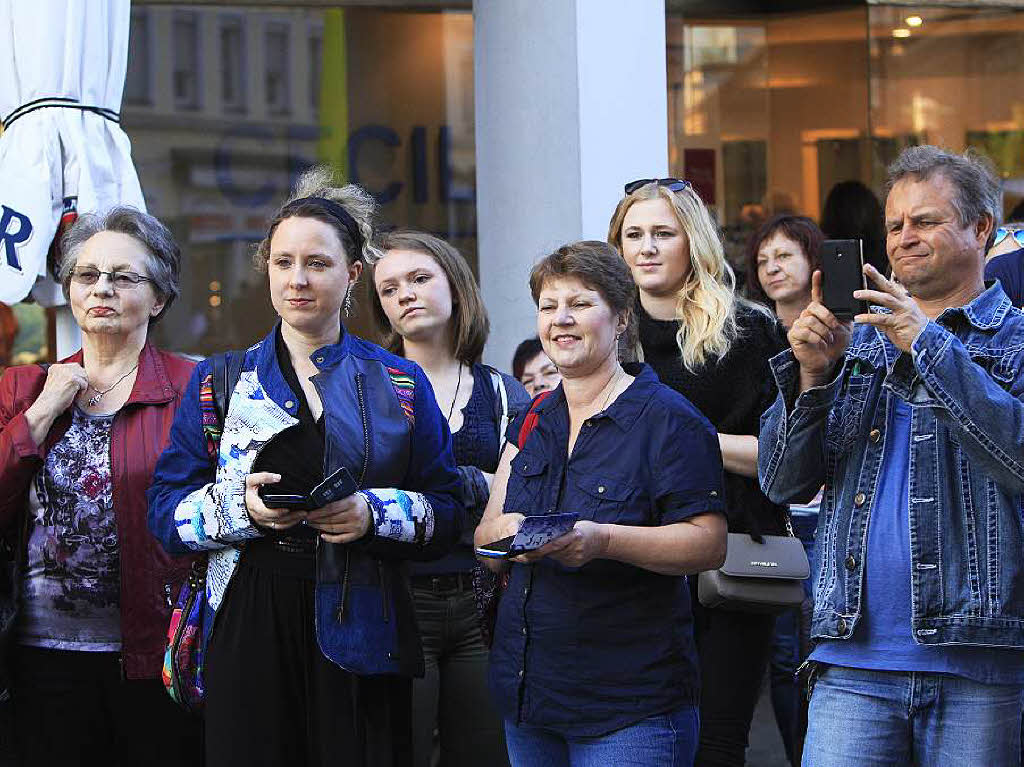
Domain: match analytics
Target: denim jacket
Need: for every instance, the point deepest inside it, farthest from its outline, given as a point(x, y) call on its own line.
point(964, 380)
point(383, 424)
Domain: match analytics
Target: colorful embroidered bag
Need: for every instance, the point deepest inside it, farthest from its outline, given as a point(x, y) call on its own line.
point(182, 673)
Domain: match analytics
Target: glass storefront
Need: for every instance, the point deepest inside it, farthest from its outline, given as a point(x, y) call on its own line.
point(252, 97)
point(767, 115)
point(226, 104)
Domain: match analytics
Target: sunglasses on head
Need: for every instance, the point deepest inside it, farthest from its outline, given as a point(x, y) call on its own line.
point(672, 184)
point(1005, 231)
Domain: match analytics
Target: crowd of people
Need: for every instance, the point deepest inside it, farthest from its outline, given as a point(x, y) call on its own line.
point(669, 411)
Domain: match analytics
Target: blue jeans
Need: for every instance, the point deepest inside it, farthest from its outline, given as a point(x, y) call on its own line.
point(664, 740)
point(883, 718)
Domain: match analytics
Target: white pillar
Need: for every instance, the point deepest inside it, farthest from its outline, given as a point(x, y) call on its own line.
point(571, 102)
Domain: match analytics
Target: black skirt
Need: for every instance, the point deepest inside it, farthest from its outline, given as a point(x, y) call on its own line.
point(272, 698)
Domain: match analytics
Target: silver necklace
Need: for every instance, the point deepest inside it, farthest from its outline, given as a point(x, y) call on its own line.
point(99, 394)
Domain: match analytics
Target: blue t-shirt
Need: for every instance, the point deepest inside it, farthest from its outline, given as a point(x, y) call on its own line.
point(1009, 270)
point(883, 640)
point(588, 650)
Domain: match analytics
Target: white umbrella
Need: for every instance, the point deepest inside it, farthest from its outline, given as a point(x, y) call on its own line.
point(62, 150)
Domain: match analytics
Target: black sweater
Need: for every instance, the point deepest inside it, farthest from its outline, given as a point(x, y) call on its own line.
point(732, 392)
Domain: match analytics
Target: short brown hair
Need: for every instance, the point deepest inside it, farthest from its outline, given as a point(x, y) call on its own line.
point(594, 263)
point(800, 230)
point(469, 317)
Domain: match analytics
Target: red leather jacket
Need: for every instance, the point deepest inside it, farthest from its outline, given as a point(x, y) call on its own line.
point(149, 578)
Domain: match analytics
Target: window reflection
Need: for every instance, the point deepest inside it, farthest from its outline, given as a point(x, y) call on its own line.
point(384, 96)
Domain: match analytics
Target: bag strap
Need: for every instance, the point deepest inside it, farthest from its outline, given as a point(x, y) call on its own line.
point(226, 369)
point(503, 416)
point(530, 422)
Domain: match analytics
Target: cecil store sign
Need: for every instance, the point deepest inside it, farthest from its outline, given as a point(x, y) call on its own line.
point(376, 157)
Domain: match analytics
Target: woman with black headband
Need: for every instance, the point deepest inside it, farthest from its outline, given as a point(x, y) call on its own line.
point(331, 467)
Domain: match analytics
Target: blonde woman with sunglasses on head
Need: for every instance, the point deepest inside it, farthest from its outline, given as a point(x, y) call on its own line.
point(713, 347)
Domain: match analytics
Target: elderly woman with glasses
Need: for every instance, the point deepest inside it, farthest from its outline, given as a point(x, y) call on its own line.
point(78, 443)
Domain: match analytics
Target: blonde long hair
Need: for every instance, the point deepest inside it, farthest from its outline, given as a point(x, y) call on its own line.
point(706, 303)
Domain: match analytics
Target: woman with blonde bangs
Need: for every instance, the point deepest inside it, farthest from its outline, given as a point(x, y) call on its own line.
point(712, 346)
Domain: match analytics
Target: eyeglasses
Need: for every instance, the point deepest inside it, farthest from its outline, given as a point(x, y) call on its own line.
point(672, 184)
point(87, 275)
point(1005, 231)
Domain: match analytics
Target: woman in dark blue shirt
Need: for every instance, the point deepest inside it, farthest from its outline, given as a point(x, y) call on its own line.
point(428, 308)
point(593, 659)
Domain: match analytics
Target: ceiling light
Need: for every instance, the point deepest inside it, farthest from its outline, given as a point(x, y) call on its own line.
point(901, 32)
point(913, 21)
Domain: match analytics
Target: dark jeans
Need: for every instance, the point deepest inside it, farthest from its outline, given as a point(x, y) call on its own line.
point(453, 696)
point(733, 649)
point(73, 708)
point(790, 648)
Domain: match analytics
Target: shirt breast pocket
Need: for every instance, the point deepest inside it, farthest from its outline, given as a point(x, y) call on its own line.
point(602, 498)
point(846, 416)
point(524, 492)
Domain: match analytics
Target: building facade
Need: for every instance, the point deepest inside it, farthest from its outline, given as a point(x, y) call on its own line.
point(765, 107)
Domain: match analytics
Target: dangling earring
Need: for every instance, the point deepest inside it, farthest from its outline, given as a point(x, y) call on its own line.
point(347, 304)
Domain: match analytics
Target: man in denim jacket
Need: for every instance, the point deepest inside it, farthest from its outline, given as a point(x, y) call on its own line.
point(913, 419)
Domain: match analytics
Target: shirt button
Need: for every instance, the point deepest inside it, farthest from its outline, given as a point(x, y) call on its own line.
point(851, 562)
point(526, 590)
point(875, 435)
point(289, 404)
point(524, 630)
point(858, 500)
point(319, 360)
point(600, 488)
point(842, 626)
point(522, 673)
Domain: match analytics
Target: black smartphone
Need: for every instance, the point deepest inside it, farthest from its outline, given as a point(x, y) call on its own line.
point(842, 272)
point(497, 549)
point(283, 500)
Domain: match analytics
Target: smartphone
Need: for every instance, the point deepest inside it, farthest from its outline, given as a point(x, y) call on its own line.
point(842, 272)
point(535, 532)
point(337, 486)
point(283, 500)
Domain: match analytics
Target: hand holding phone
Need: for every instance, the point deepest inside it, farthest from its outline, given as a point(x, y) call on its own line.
point(818, 339)
point(535, 532)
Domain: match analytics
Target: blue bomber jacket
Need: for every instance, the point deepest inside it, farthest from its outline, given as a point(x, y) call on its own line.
point(383, 424)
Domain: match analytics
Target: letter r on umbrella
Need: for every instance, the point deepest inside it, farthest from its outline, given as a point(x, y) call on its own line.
point(15, 228)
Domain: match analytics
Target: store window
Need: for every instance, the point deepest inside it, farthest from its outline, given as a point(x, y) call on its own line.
point(277, 82)
point(138, 81)
point(953, 77)
point(385, 96)
point(766, 115)
point(185, 43)
point(232, 63)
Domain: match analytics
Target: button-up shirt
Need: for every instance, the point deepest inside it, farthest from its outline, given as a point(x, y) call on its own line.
point(585, 651)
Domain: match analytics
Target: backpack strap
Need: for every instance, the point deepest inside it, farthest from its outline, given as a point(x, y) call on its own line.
point(215, 395)
point(530, 422)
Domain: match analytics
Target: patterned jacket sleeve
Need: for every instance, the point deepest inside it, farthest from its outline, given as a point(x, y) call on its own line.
point(189, 509)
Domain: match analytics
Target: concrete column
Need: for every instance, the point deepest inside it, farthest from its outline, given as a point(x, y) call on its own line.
point(571, 102)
